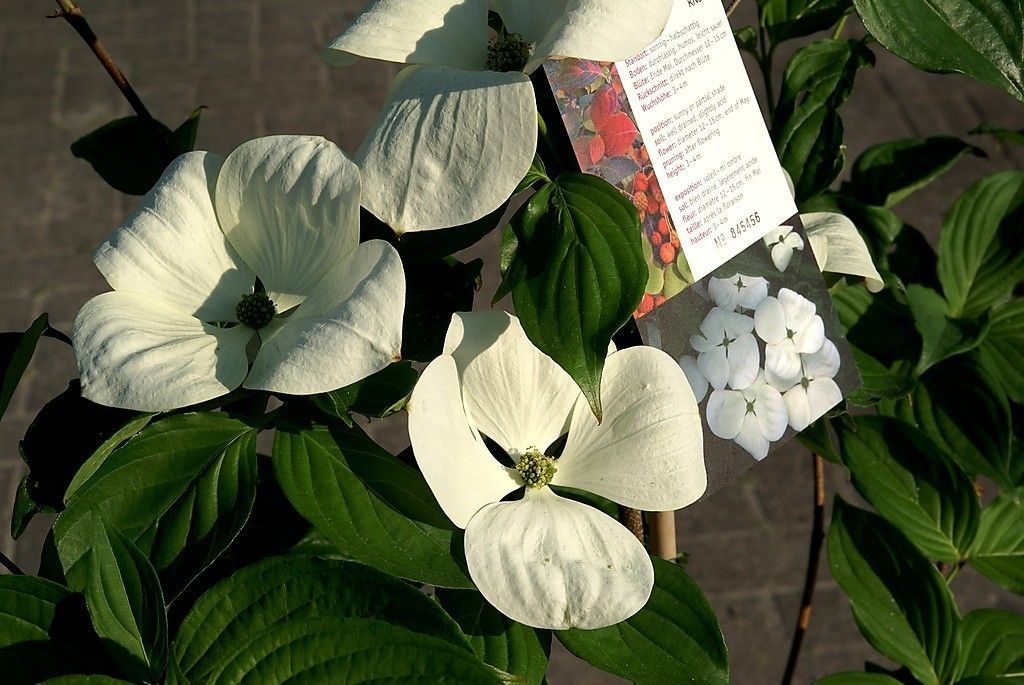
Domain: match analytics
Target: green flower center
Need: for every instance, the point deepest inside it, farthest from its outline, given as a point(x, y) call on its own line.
point(536, 468)
point(509, 52)
point(255, 310)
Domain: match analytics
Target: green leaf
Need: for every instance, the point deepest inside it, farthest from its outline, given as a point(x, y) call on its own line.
point(374, 508)
point(961, 408)
point(914, 484)
point(888, 173)
point(900, 601)
point(979, 38)
point(786, 19)
point(1002, 350)
point(1001, 134)
point(818, 439)
point(85, 680)
point(434, 291)
point(496, 639)
point(807, 129)
point(857, 679)
point(293, 590)
point(746, 39)
point(67, 430)
point(123, 594)
point(430, 246)
point(130, 154)
point(180, 490)
point(16, 350)
point(380, 395)
point(942, 337)
point(578, 273)
point(998, 549)
point(991, 643)
point(676, 634)
point(981, 246)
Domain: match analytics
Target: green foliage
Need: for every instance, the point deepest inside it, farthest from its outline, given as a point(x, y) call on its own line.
point(16, 350)
point(380, 395)
point(786, 19)
point(998, 549)
point(980, 38)
point(371, 506)
point(577, 274)
point(941, 336)
point(675, 633)
point(1002, 350)
point(991, 643)
point(434, 291)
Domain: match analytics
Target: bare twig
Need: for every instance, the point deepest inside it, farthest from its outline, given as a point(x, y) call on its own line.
point(663, 534)
point(70, 12)
point(811, 576)
point(10, 565)
point(732, 7)
point(634, 521)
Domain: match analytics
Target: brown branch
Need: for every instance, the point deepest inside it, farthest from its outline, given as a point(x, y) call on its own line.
point(811, 576)
point(662, 525)
point(732, 7)
point(634, 521)
point(71, 13)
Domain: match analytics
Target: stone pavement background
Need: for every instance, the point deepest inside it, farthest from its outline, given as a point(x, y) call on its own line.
point(254, 64)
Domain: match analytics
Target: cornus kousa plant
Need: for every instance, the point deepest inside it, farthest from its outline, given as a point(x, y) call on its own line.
point(218, 512)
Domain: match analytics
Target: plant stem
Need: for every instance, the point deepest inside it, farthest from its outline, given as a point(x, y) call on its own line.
point(6, 562)
point(732, 7)
point(839, 27)
point(633, 519)
point(663, 534)
point(72, 14)
point(811, 576)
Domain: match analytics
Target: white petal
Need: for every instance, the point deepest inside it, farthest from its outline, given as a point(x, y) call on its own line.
point(752, 439)
point(781, 383)
point(726, 411)
point(794, 241)
point(753, 292)
point(600, 30)
point(782, 255)
point(840, 248)
point(172, 249)
point(454, 460)
point(514, 393)
point(135, 352)
point(770, 321)
point(448, 147)
point(348, 328)
point(452, 32)
point(811, 337)
point(744, 361)
point(724, 293)
point(694, 377)
point(714, 365)
point(702, 344)
point(648, 451)
point(798, 310)
point(783, 361)
point(798, 407)
point(770, 410)
point(290, 206)
point(549, 562)
point(824, 363)
point(822, 395)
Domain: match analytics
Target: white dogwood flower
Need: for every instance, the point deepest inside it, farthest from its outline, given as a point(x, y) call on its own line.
point(727, 351)
point(790, 326)
point(459, 128)
point(185, 306)
point(738, 291)
point(754, 417)
point(543, 560)
point(783, 242)
point(815, 392)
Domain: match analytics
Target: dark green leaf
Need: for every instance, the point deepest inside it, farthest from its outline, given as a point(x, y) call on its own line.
point(294, 589)
point(1002, 350)
point(998, 549)
point(991, 643)
point(419, 247)
point(180, 490)
point(1001, 134)
point(961, 407)
point(184, 137)
point(578, 273)
point(980, 38)
point(857, 679)
point(380, 395)
point(981, 246)
point(913, 259)
point(498, 640)
point(818, 438)
point(914, 484)
point(900, 601)
point(785, 19)
point(374, 508)
point(888, 173)
point(123, 594)
point(746, 39)
point(16, 350)
point(942, 337)
point(67, 430)
point(536, 174)
point(675, 636)
point(435, 291)
point(807, 129)
point(129, 154)
point(85, 680)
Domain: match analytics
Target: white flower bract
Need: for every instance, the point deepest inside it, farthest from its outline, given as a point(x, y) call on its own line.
point(738, 291)
point(544, 560)
point(281, 209)
point(790, 326)
point(783, 242)
point(454, 138)
point(727, 351)
point(754, 417)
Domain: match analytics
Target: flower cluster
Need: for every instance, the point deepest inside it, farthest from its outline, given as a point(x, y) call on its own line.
point(750, 403)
